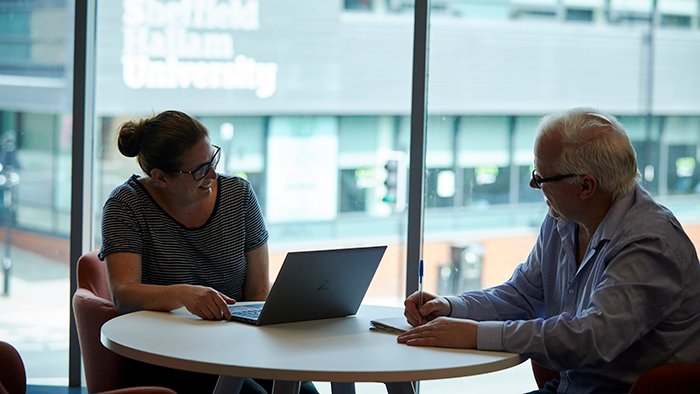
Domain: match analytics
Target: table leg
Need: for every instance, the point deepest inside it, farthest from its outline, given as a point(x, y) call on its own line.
point(400, 387)
point(285, 387)
point(342, 388)
point(228, 385)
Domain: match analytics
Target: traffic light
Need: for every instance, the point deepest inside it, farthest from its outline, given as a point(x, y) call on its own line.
point(391, 181)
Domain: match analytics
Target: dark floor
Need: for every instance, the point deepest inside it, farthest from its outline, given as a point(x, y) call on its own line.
point(34, 389)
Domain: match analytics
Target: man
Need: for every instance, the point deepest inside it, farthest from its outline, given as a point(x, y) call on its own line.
point(610, 290)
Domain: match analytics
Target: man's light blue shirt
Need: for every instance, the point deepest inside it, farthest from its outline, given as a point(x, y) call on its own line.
point(633, 304)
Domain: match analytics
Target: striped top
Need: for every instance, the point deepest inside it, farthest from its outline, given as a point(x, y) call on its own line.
point(210, 255)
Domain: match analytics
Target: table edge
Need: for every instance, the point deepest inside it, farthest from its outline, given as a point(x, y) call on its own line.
point(306, 375)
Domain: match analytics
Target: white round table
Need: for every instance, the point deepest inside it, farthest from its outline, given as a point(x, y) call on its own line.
point(333, 350)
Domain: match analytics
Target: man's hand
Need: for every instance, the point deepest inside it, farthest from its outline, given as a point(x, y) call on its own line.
point(433, 307)
point(443, 332)
point(206, 302)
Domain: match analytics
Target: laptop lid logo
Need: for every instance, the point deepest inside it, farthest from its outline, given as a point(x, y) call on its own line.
point(324, 285)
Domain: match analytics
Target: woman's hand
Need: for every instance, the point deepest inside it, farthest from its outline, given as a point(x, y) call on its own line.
point(206, 302)
point(129, 294)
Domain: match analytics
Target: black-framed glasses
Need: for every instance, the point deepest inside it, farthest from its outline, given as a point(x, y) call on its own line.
point(202, 171)
point(538, 180)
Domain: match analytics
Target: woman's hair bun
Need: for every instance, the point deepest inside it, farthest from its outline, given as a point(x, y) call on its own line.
point(129, 140)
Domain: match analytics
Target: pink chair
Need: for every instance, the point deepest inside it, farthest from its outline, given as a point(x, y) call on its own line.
point(671, 378)
point(13, 378)
point(105, 371)
point(543, 374)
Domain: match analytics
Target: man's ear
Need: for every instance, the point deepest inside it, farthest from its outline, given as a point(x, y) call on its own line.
point(588, 186)
point(159, 178)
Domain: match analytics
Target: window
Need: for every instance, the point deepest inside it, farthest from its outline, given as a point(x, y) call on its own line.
point(35, 171)
point(304, 114)
point(319, 96)
point(490, 83)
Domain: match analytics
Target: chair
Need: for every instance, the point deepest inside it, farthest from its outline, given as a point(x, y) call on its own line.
point(671, 378)
point(543, 374)
point(105, 371)
point(13, 376)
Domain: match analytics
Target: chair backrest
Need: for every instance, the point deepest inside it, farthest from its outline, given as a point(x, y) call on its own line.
point(92, 304)
point(92, 275)
point(671, 378)
point(13, 377)
point(543, 374)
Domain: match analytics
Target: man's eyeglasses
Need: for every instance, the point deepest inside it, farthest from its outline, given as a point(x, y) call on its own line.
point(202, 171)
point(538, 180)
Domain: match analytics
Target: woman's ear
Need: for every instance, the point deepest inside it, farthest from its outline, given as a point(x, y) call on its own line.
point(159, 178)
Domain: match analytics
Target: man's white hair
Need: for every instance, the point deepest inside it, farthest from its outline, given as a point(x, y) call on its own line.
point(596, 144)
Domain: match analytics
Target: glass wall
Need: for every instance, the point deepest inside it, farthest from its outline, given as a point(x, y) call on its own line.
point(495, 68)
point(289, 91)
point(494, 74)
point(35, 152)
point(311, 103)
point(299, 112)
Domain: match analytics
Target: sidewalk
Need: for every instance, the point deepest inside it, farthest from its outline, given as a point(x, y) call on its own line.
point(35, 317)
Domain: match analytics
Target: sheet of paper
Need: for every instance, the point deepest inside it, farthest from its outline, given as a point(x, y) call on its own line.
point(392, 325)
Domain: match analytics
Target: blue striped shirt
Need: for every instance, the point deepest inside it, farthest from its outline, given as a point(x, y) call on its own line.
point(211, 255)
point(634, 304)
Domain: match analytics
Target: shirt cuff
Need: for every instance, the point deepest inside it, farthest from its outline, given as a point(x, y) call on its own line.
point(489, 335)
point(459, 307)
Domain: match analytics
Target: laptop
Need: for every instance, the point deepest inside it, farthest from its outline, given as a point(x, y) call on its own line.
point(311, 285)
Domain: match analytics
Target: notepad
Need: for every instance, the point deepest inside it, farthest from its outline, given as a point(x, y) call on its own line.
point(391, 325)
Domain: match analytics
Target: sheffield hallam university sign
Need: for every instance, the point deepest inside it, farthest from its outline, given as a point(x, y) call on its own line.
point(189, 43)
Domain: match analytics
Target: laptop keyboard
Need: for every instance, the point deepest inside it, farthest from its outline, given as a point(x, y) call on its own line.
point(249, 315)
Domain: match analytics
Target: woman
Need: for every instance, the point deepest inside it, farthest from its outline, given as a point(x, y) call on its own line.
point(183, 236)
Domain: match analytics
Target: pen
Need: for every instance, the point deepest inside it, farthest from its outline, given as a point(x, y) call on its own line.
point(420, 284)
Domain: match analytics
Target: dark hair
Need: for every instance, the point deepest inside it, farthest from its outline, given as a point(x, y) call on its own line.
point(160, 141)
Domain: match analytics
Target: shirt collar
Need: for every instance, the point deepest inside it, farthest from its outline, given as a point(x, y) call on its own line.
point(607, 228)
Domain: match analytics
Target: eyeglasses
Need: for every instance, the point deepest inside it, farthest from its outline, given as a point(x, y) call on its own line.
point(538, 180)
point(202, 171)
